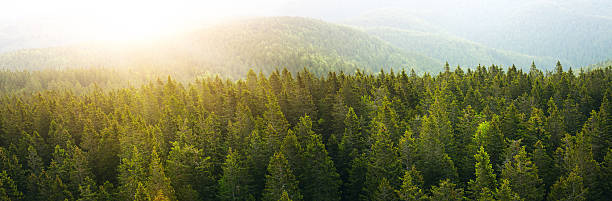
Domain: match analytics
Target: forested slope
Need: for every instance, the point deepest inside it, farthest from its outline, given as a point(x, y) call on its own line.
point(459, 51)
point(230, 49)
point(575, 32)
point(409, 32)
point(483, 134)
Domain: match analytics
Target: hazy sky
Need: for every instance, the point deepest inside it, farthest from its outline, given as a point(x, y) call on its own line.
point(36, 23)
point(126, 18)
point(129, 18)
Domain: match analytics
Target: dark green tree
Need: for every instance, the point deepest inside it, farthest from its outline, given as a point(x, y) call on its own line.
point(319, 181)
point(385, 192)
point(522, 174)
point(432, 159)
point(157, 181)
point(447, 191)
point(410, 191)
point(485, 178)
point(568, 188)
point(189, 172)
point(280, 178)
point(504, 192)
point(8, 189)
point(383, 160)
point(234, 184)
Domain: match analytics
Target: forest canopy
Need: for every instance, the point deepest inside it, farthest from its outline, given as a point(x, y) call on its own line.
point(476, 134)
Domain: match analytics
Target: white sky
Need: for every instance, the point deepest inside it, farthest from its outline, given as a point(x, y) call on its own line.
point(111, 19)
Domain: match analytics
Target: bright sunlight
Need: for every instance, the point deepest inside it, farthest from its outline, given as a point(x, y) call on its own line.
point(132, 19)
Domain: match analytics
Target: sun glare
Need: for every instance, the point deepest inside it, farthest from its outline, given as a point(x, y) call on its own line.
point(132, 19)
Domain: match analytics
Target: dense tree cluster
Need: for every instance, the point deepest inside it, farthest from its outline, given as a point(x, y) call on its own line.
point(481, 134)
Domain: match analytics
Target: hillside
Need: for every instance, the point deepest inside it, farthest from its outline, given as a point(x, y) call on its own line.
point(456, 51)
point(575, 32)
point(231, 49)
point(550, 29)
point(603, 64)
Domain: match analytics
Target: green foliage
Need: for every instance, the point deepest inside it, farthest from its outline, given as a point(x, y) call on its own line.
point(384, 192)
point(489, 137)
point(432, 159)
point(349, 137)
point(410, 191)
point(504, 192)
point(447, 191)
point(280, 179)
point(383, 160)
point(570, 187)
point(320, 180)
point(285, 197)
point(8, 189)
point(189, 172)
point(485, 178)
point(157, 183)
point(234, 185)
point(523, 176)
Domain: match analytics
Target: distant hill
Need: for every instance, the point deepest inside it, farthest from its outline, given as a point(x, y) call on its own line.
point(456, 51)
point(602, 64)
point(232, 48)
point(554, 29)
point(412, 34)
point(577, 33)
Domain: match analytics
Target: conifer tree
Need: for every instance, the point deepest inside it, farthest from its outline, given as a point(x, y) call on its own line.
point(432, 160)
point(438, 124)
point(292, 150)
point(548, 169)
point(141, 193)
point(554, 125)
point(87, 192)
point(53, 188)
point(410, 191)
point(8, 189)
point(355, 188)
point(189, 172)
point(383, 160)
point(276, 125)
point(319, 181)
point(9, 162)
point(485, 195)
point(491, 139)
point(485, 178)
point(280, 178)
point(240, 128)
point(464, 135)
point(386, 114)
point(512, 123)
point(447, 191)
point(159, 196)
point(233, 185)
point(601, 128)
point(568, 188)
point(505, 193)
point(353, 143)
point(385, 192)
point(605, 182)
point(58, 135)
point(285, 197)
point(257, 159)
point(576, 155)
point(535, 129)
point(157, 181)
point(132, 172)
point(523, 176)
